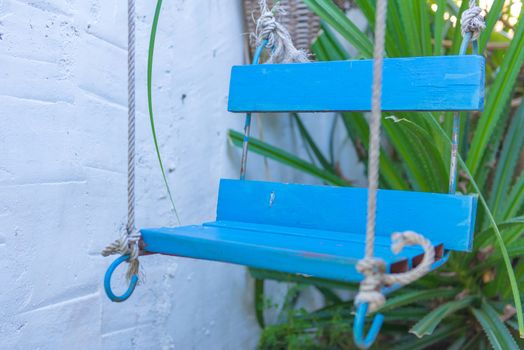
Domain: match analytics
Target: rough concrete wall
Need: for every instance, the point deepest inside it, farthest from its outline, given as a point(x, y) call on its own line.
point(62, 174)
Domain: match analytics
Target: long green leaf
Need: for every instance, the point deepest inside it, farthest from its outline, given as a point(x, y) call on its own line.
point(492, 152)
point(395, 32)
point(410, 26)
point(515, 200)
point(312, 145)
point(498, 96)
point(368, 9)
point(335, 17)
point(259, 302)
point(423, 159)
point(485, 237)
point(327, 47)
point(286, 158)
point(458, 344)
point(438, 27)
point(457, 34)
point(154, 27)
point(358, 130)
point(417, 296)
point(443, 333)
point(493, 16)
point(498, 235)
point(427, 325)
point(497, 333)
point(511, 150)
point(422, 9)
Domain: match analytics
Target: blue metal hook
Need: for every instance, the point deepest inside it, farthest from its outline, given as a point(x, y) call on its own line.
point(107, 281)
point(358, 327)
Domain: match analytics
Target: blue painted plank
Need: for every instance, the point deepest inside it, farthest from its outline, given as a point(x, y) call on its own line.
point(319, 236)
point(445, 218)
point(410, 84)
point(267, 249)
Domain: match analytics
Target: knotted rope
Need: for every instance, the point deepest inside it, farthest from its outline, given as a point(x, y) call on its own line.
point(279, 42)
point(127, 244)
point(472, 20)
point(373, 269)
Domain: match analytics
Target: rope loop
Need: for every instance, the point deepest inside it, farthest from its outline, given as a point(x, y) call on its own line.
point(472, 21)
point(127, 244)
point(375, 274)
point(277, 37)
point(410, 238)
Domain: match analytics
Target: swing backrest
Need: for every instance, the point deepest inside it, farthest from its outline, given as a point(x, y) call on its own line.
point(443, 218)
point(448, 83)
point(439, 83)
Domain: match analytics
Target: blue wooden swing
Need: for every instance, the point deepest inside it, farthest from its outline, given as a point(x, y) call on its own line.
point(319, 231)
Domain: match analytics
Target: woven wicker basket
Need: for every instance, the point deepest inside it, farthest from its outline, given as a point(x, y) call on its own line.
point(303, 25)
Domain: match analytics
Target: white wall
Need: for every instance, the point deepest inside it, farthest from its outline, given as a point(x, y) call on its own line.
point(63, 130)
point(63, 182)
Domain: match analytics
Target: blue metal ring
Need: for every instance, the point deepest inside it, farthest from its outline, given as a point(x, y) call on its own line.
point(107, 281)
point(358, 327)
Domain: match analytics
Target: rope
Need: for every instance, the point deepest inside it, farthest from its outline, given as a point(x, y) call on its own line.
point(373, 269)
point(279, 40)
point(127, 244)
point(472, 20)
point(269, 33)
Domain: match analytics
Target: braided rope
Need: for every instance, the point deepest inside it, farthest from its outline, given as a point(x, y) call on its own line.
point(373, 269)
point(279, 41)
point(472, 20)
point(376, 115)
point(127, 244)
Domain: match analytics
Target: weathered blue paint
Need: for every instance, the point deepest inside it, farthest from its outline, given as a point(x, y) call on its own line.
point(447, 83)
point(314, 230)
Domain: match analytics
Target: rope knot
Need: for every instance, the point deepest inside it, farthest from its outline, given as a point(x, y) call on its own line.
point(472, 21)
point(127, 244)
point(279, 41)
point(266, 27)
point(373, 270)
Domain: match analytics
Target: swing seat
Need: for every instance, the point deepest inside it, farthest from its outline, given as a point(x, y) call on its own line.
point(317, 231)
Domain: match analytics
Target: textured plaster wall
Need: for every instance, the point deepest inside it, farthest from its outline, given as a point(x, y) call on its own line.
point(63, 133)
point(63, 182)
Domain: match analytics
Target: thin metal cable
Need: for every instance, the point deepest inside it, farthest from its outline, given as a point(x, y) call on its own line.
point(472, 24)
point(127, 244)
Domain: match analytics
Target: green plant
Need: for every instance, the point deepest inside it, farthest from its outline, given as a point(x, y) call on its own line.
point(474, 301)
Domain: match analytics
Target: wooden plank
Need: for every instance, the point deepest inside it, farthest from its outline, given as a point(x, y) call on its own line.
point(439, 83)
point(311, 256)
point(445, 218)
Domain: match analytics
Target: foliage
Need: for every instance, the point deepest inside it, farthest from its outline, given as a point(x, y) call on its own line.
point(468, 303)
